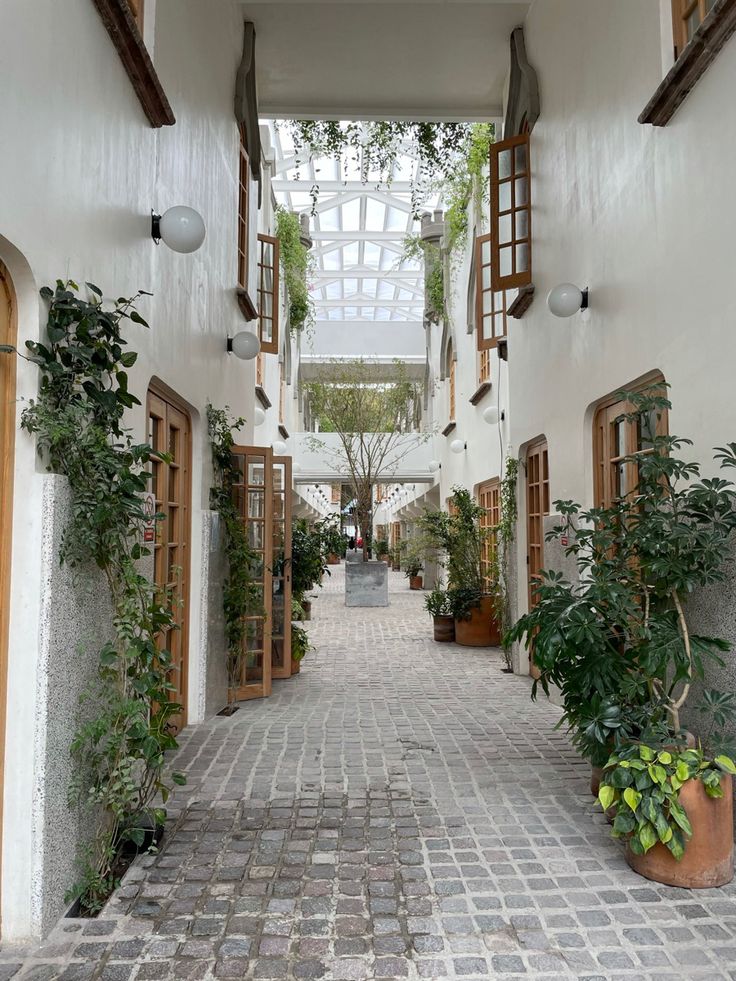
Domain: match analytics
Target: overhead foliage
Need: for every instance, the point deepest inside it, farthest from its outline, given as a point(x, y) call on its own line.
point(77, 420)
point(466, 184)
point(375, 422)
point(295, 267)
point(415, 247)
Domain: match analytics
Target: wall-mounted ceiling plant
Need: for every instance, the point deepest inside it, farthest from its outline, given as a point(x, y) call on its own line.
point(295, 267)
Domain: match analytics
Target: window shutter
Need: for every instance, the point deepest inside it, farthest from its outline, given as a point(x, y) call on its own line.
point(490, 303)
point(511, 219)
point(268, 293)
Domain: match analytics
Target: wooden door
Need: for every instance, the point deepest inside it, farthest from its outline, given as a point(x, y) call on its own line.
point(489, 498)
point(253, 492)
point(281, 584)
point(169, 432)
point(7, 460)
point(537, 506)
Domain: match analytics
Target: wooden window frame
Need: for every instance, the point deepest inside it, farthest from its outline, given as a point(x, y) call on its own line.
point(452, 378)
point(489, 498)
point(515, 279)
point(125, 30)
point(485, 342)
point(607, 414)
point(265, 242)
point(682, 10)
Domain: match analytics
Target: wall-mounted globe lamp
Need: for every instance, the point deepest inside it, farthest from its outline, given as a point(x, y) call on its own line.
point(433, 466)
point(259, 416)
point(566, 299)
point(279, 448)
point(245, 345)
point(458, 446)
point(491, 415)
point(181, 228)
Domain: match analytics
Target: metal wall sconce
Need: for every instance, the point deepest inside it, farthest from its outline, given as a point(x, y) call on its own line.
point(458, 446)
point(245, 345)
point(566, 299)
point(181, 228)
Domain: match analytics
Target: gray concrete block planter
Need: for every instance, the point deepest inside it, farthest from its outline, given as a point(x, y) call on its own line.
point(366, 583)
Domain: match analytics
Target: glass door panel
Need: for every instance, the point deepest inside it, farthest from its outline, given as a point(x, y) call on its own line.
point(281, 585)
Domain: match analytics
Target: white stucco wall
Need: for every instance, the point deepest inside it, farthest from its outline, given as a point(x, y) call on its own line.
point(80, 173)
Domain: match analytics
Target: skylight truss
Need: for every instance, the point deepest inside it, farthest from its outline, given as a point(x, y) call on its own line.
point(358, 232)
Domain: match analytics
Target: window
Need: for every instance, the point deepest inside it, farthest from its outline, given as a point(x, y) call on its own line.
point(268, 293)
point(282, 393)
point(243, 206)
point(490, 312)
point(616, 437)
point(511, 221)
point(136, 9)
point(687, 16)
point(537, 508)
point(336, 491)
point(452, 385)
point(489, 498)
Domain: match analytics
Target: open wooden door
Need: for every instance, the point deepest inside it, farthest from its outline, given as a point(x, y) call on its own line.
point(537, 507)
point(253, 493)
point(281, 580)
point(169, 432)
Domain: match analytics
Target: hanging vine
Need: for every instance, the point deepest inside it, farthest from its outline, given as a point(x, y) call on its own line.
point(240, 597)
point(77, 420)
point(295, 268)
point(505, 533)
point(414, 247)
point(466, 184)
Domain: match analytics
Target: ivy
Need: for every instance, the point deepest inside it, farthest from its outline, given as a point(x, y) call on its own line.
point(240, 596)
point(414, 247)
point(505, 532)
point(466, 184)
point(295, 267)
point(78, 423)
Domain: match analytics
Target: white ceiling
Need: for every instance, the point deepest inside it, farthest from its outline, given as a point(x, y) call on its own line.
point(368, 59)
point(358, 232)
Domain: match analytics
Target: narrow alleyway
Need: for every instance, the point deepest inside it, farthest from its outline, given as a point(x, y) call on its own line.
point(398, 810)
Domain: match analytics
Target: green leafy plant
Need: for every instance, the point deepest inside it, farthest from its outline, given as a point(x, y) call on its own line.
point(437, 603)
point(505, 532)
point(126, 717)
point(413, 554)
point(240, 593)
point(382, 548)
point(300, 645)
point(467, 184)
point(622, 632)
point(333, 539)
point(308, 558)
point(414, 247)
point(295, 266)
point(642, 786)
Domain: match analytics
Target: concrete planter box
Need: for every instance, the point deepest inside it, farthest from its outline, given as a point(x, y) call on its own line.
point(354, 555)
point(366, 584)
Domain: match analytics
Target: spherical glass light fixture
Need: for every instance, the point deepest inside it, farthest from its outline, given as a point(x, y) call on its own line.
point(245, 345)
point(433, 466)
point(259, 416)
point(458, 446)
point(490, 415)
point(566, 299)
point(181, 228)
point(279, 447)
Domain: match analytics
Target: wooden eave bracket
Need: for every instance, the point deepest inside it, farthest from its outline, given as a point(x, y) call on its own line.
point(696, 58)
point(262, 397)
point(521, 302)
point(283, 432)
point(480, 392)
point(503, 348)
point(246, 101)
point(449, 428)
point(246, 304)
point(124, 34)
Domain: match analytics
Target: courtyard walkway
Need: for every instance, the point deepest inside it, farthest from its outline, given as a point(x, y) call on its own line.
point(400, 809)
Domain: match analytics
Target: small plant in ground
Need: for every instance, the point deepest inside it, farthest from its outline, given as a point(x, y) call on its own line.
point(642, 785)
point(125, 726)
point(240, 595)
point(437, 603)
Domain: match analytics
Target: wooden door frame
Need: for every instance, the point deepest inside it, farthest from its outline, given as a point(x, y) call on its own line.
point(159, 390)
point(7, 474)
point(534, 447)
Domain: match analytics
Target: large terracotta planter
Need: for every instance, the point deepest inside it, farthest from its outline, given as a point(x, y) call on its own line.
point(415, 582)
point(444, 630)
point(296, 666)
point(481, 629)
point(333, 559)
point(708, 858)
point(307, 607)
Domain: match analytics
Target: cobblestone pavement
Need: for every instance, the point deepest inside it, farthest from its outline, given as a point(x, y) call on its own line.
point(400, 809)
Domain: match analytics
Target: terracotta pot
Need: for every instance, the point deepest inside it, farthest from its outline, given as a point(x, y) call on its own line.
point(415, 582)
point(444, 630)
point(482, 629)
point(296, 666)
point(333, 559)
point(307, 605)
point(708, 858)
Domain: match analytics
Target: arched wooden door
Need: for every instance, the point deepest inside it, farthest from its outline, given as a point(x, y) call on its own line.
point(169, 432)
point(7, 460)
point(537, 507)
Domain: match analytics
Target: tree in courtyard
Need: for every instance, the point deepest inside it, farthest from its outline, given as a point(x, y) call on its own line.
point(376, 423)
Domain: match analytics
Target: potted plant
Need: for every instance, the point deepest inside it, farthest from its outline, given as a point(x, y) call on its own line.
point(413, 550)
point(472, 585)
point(620, 645)
point(437, 604)
point(308, 562)
point(382, 551)
point(333, 540)
point(396, 557)
point(300, 646)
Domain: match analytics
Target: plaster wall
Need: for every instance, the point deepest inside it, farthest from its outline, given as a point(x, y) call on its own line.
point(83, 172)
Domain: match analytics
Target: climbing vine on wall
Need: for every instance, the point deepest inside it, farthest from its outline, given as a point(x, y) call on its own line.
point(414, 247)
point(295, 267)
point(505, 533)
point(466, 184)
point(78, 423)
point(240, 597)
